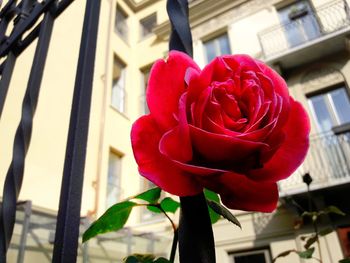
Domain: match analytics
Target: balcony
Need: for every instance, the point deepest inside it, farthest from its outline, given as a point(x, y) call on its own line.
point(328, 162)
point(308, 35)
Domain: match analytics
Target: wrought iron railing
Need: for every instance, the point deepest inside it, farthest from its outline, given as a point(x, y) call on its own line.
point(328, 162)
point(326, 19)
point(27, 21)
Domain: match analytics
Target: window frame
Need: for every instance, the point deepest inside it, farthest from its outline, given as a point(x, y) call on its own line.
point(215, 39)
point(120, 106)
point(144, 71)
point(144, 35)
point(117, 176)
point(266, 251)
point(328, 100)
point(121, 27)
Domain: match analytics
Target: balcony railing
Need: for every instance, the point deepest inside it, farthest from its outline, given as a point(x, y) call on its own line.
point(310, 25)
point(328, 162)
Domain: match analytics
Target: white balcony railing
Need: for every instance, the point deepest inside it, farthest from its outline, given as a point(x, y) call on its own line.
point(310, 25)
point(328, 162)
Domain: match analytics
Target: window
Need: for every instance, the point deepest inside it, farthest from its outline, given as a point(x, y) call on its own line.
point(216, 47)
point(113, 180)
point(330, 109)
point(121, 25)
point(118, 85)
point(147, 25)
point(256, 256)
point(145, 76)
point(300, 24)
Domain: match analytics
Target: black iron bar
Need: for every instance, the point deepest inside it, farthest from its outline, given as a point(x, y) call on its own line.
point(6, 78)
point(196, 240)
point(14, 176)
point(68, 219)
point(62, 5)
point(26, 24)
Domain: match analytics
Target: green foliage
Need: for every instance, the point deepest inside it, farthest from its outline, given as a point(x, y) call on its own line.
point(113, 219)
point(334, 210)
point(154, 209)
point(212, 196)
point(302, 254)
point(345, 260)
point(314, 215)
point(223, 211)
point(169, 205)
point(151, 196)
point(147, 258)
point(117, 215)
point(307, 253)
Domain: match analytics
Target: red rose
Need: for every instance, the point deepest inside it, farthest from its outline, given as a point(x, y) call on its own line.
point(231, 127)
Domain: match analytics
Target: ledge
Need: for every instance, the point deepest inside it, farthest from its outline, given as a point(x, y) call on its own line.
point(200, 11)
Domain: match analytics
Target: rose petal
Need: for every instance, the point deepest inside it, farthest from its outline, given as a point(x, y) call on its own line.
point(239, 192)
point(280, 88)
point(221, 148)
point(156, 167)
point(166, 85)
point(293, 150)
point(180, 135)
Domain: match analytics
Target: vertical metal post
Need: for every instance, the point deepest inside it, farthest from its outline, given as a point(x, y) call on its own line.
point(6, 78)
point(8, 13)
point(196, 241)
point(14, 176)
point(25, 229)
point(68, 219)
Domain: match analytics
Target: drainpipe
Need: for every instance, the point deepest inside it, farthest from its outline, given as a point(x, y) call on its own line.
point(96, 183)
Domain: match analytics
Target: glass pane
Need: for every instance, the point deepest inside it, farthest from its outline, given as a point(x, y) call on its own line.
point(118, 86)
point(299, 23)
point(224, 45)
point(341, 104)
point(147, 25)
point(121, 26)
point(113, 193)
point(210, 50)
point(113, 169)
point(323, 116)
point(257, 258)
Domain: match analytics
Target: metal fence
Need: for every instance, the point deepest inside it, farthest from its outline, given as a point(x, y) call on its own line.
point(27, 21)
point(311, 25)
point(328, 162)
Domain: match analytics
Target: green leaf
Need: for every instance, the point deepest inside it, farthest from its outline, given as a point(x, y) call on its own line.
point(221, 210)
point(151, 196)
point(326, 231)
point(307, 253)
point(310, 241)
point(169, 205)
point(112, 220)
point(334, 210)
point(144, 258)
point(214, 217)
point(345, 260)
point(283, 254)
point(154, 209)
point(139, 258)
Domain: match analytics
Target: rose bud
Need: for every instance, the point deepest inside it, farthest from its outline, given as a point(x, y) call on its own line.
point(231, 128)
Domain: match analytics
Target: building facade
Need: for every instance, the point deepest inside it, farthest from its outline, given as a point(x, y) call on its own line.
point(306, 41)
